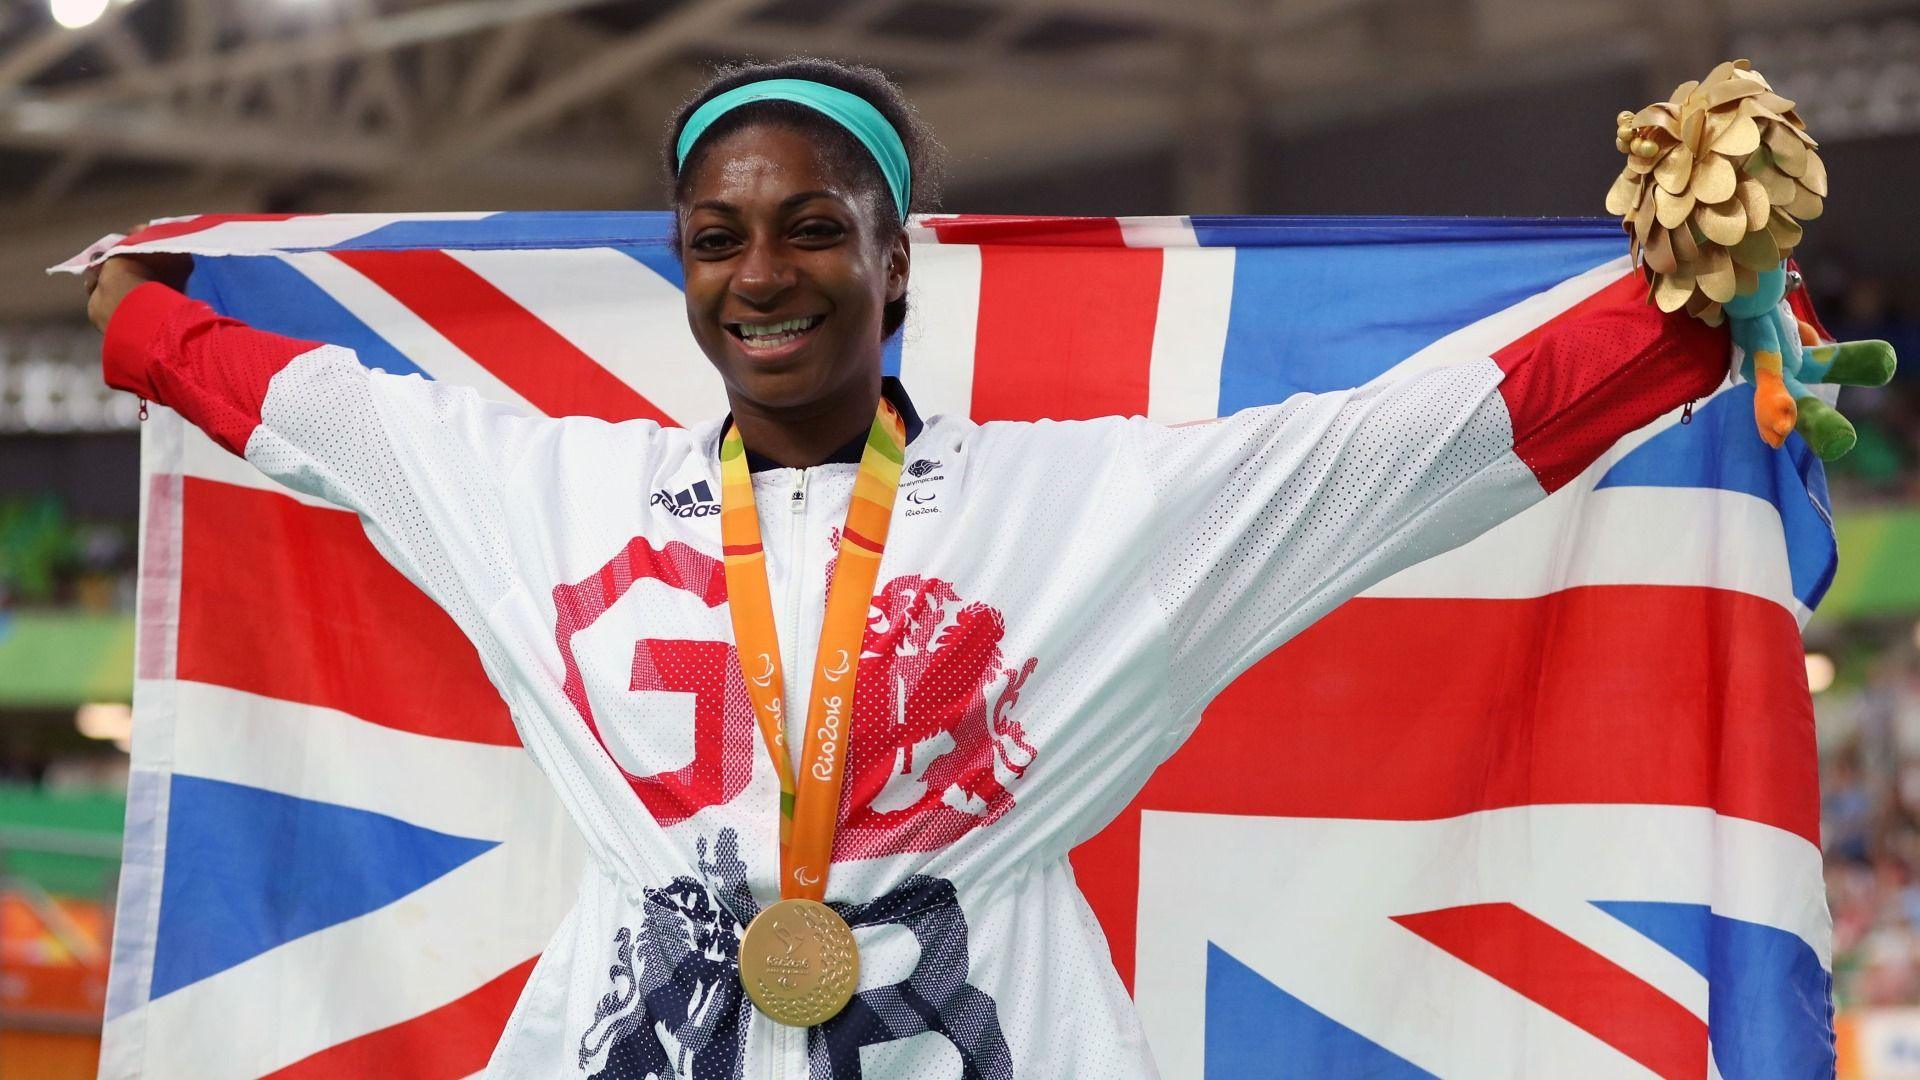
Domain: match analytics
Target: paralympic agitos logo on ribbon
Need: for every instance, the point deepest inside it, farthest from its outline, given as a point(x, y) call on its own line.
point(934, 750)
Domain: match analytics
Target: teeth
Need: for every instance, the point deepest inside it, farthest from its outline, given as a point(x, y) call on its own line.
point(763, 330)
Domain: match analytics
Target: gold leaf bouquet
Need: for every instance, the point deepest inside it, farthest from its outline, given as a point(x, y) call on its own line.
point(1718, 179)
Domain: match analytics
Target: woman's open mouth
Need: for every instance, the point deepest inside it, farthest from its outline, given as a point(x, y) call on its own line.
point(774, 339)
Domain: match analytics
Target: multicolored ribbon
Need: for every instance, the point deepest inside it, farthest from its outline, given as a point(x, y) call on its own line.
point(810, 809)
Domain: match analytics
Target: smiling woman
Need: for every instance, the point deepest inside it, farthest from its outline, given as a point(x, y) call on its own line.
point(865, 873)
point(791, 186)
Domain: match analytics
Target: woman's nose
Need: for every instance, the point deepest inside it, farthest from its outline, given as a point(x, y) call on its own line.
point(762, 274)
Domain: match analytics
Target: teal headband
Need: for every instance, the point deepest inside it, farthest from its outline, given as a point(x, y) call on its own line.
point(850, 111)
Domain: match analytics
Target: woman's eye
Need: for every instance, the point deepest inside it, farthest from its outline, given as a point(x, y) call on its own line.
point(818, 230)
point(711, 240)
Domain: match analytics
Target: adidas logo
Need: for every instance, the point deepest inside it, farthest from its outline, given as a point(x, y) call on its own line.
point(694, 501)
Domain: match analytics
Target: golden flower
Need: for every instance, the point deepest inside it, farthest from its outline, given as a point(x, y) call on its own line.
point(1716, 183)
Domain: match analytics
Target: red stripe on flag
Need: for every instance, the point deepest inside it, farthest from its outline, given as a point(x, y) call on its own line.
point(1676, 696)
point(451, 1041)
point(167, 230)
point(1610, 364)
point(516, 345)
point(1065, 332)
point(1021, 229)
point(1588, 990)
point(291, 601)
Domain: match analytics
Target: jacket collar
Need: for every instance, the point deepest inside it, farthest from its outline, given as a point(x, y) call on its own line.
point(849, 453)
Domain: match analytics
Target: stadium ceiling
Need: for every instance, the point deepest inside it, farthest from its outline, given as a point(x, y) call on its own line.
point(173, 105)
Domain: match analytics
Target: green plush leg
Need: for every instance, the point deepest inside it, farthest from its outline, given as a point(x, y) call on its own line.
point(1852, 363)
point(1829, 433)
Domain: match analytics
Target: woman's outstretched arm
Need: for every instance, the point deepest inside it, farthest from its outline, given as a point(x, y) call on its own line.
point(1276, 515)
point(422, 463)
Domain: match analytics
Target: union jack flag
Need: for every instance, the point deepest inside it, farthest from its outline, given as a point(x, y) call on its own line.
point(1543, 806)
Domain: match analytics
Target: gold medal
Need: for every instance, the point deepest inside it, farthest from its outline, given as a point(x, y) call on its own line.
point(799, 963)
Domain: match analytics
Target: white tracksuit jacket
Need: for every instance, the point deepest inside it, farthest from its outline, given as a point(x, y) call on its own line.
point(1057, 603)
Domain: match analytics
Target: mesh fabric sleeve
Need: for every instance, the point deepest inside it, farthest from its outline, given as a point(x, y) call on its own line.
point(421, 462)
point(1270, 518)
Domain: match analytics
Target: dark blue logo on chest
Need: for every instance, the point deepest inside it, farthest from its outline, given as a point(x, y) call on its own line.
point(695, 500)
point(675, 1007)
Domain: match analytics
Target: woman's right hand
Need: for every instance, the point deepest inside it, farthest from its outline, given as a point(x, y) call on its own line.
point(111, 281)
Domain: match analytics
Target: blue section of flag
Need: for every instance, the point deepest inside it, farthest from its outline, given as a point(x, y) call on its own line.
point(248, 869)
point(890, 354)
point(1681, 929)
point(264, 292)
point(1721, 449)
point(520, 229)
point(1327, 304)
point(1257, 1030)
point(1339, 230)
point(1769, 1013)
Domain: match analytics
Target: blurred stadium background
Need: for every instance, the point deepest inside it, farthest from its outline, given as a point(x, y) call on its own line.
point(116, 111)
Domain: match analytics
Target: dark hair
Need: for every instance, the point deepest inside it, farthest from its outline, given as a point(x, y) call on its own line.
point(845, 151)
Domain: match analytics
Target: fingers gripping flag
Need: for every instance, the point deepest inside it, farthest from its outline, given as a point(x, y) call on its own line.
point(1543, 805)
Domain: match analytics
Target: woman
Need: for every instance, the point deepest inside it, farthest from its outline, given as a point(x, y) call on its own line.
point(1019, 660)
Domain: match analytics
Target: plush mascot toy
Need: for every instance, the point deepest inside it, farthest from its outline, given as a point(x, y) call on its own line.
point(1716, 184)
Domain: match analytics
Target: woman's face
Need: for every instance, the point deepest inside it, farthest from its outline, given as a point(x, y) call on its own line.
point(787, 274)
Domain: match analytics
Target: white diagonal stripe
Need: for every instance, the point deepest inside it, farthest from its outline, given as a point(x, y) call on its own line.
point(412, 336)
point(629, 319)
point(1309, 904)
point(432, 946)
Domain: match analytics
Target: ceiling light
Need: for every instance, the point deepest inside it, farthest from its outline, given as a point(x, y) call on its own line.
point(74, 14)
point(1819, 671)
point(109, 720)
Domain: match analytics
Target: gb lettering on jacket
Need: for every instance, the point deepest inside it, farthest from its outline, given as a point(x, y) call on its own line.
point(934, 743)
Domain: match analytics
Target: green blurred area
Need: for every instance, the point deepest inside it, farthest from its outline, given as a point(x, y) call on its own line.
point(55, 659)
point(65, 842)
point(1878, 575)
point(37, 543)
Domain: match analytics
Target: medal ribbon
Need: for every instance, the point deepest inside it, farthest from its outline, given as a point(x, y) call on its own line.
point(810, 810)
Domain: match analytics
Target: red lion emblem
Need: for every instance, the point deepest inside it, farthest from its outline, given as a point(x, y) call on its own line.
point(934, 741)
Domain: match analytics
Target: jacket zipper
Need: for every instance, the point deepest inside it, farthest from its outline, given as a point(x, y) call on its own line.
point(790, 641)
point(796, 702)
